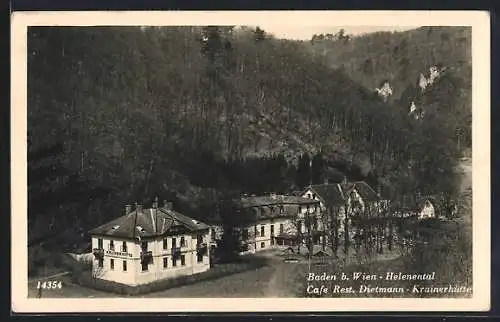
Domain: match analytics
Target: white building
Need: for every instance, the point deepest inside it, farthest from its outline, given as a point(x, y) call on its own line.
point(337, 199)
point(146, 245)
point(427, 211)
point(275, 220)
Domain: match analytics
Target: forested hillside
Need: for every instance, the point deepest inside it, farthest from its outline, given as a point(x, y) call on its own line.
point(196, 114)
point(401, 59)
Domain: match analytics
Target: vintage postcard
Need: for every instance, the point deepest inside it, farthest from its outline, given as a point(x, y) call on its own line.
point(250, 161)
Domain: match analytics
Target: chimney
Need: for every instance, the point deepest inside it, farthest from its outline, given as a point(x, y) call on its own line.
point(168, 205)
point(155, 203)
point(128, 209)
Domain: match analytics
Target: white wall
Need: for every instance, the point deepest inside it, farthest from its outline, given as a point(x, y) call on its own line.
point(134, 274)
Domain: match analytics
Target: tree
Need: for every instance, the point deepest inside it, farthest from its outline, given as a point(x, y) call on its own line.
point(303, 174)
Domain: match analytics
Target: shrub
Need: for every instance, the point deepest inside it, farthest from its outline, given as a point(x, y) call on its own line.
point(77, 268)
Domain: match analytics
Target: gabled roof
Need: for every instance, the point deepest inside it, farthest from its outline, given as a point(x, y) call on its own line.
point(148, 223)
point(334, 194)
point(365, 191)
point(330, 194)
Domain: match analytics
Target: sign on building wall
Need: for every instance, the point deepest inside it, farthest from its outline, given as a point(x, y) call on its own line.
point(122, 254)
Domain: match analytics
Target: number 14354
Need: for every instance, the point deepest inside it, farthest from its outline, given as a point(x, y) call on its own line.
point(49, 284)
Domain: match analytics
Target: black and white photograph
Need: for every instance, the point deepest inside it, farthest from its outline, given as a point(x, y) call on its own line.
point(271, 157)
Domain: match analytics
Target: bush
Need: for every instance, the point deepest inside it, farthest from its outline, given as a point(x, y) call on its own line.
point(41, 261)
point(85, 278)
point(449, 254)
point(78, 268)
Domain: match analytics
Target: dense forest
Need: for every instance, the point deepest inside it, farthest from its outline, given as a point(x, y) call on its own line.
point(195, 114)
point(400, 58)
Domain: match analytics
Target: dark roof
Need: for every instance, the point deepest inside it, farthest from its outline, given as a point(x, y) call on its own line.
point(330, 194)
point(148, 223)
point(259, 201)
point(365, 191)
point(334, 194)
point(270, 211)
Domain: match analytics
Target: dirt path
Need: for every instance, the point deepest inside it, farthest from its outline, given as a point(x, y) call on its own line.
point(277, 284)
point(44, 278)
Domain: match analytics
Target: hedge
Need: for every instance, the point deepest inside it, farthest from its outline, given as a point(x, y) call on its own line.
point(219, 270)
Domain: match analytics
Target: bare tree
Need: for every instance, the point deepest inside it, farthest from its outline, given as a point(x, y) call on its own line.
point(330, 220)
point(97, 272)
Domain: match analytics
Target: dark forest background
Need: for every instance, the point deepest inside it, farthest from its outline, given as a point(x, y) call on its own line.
point(197, 114)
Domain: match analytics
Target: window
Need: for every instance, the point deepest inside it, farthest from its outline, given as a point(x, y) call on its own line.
point(174, 242)
point(111, 245)
point(272, 230)
point(144, 246)
point(314, 196)
point(272, 241)
point(174, 261)
point(309, 195)
point(112, 263)
point(165, 262)
point(165, 243)
point(282, 228)
point(101, 262)
point(300, 209)
point(262, 245)
point(199, 257)
point(183, 260)
point(124, 247)
point(100, 243)
point(183, 242)
point(281, 209)
point(144, 266)
point(261, 231)
point(124, 266)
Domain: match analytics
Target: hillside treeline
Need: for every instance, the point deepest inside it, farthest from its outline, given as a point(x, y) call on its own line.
point(195, 113)
point(399, 58)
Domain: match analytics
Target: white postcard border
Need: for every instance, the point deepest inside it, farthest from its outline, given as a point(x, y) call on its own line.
point(479, 21)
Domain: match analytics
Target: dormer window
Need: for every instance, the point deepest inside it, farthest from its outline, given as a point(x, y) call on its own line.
point(116, 227)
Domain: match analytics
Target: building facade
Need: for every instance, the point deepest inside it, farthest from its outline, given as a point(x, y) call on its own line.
point(146, 245)
point(275, 221)
point(339, 203)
